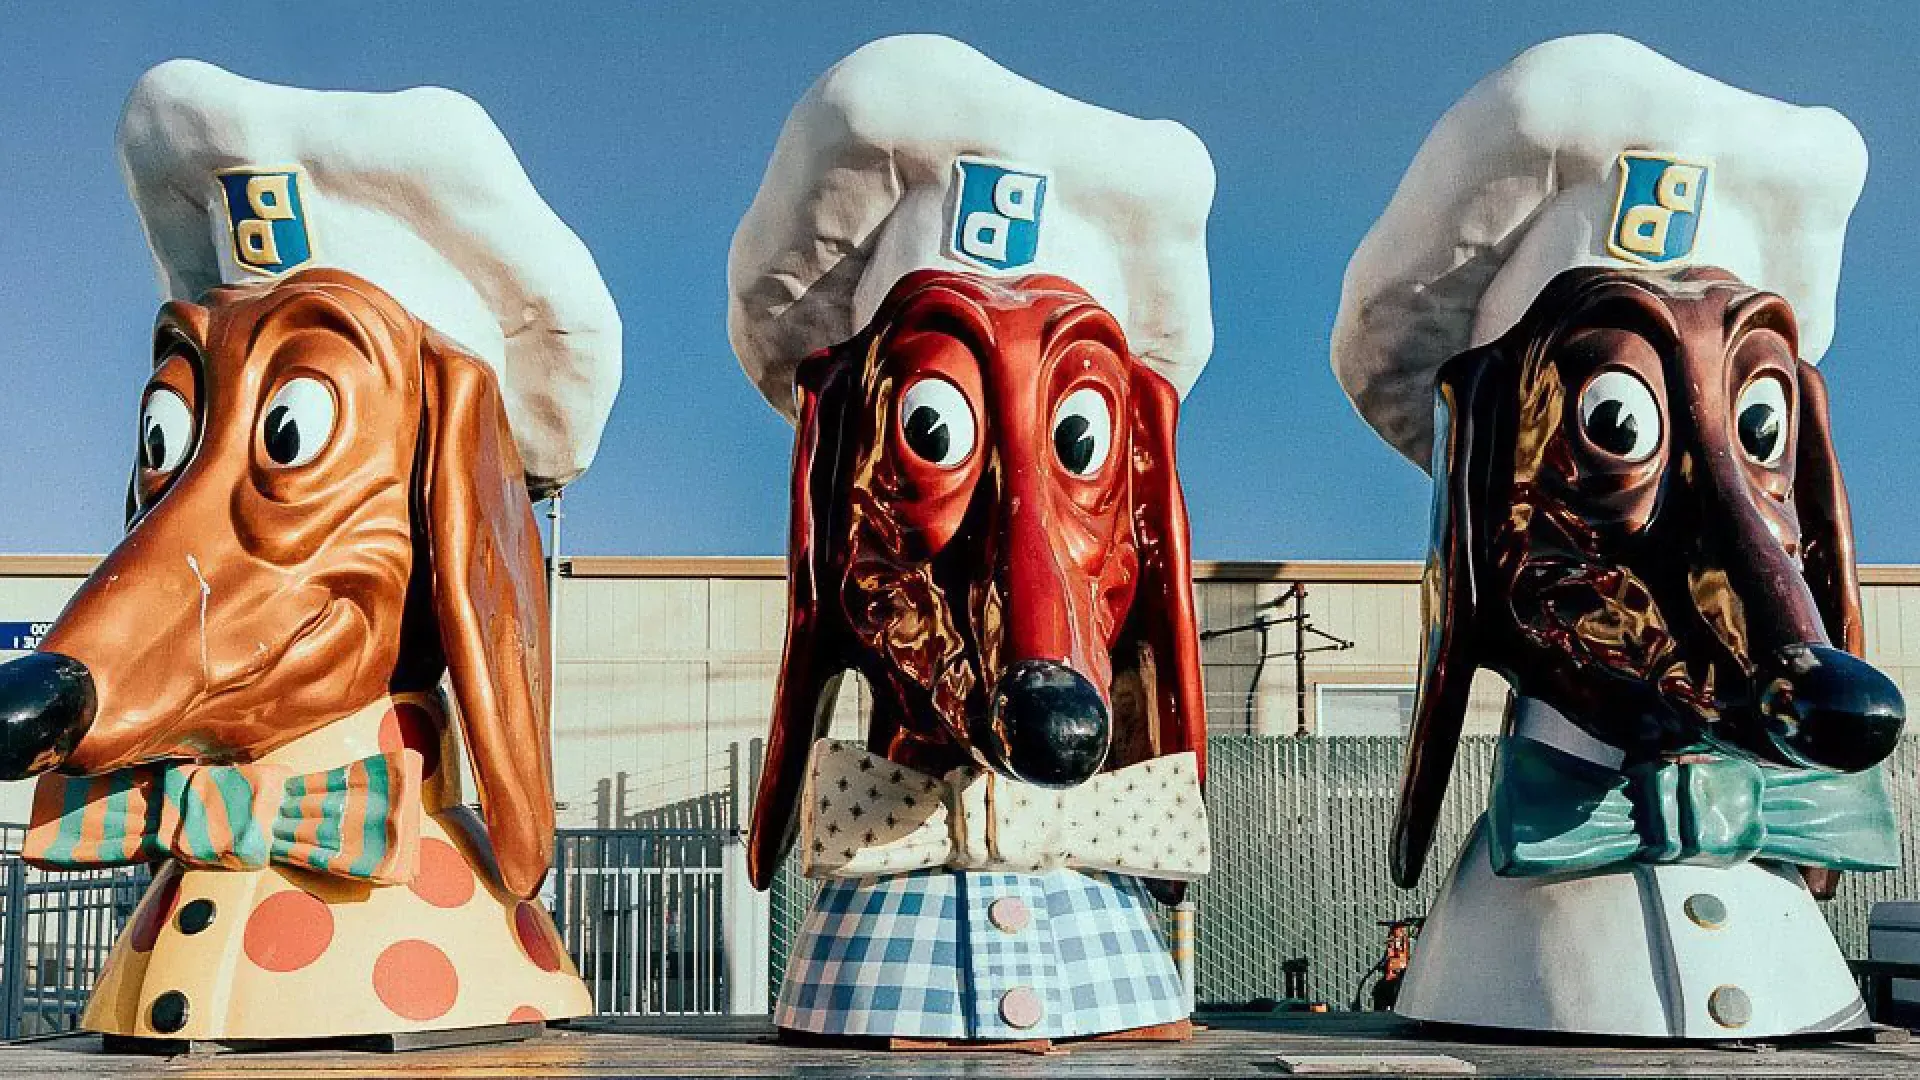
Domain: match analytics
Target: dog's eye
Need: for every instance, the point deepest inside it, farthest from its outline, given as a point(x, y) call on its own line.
point(1761, 419)
point(166, 430)
point(299, 419)
point(1618, 413)
point(936, 422)
point(1083, 431)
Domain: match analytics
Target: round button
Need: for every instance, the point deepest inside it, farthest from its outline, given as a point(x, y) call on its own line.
point(1729, 1006)
point(195, 916)
point(1706, 910)
point(1020, 1008)
point(168, 1013)
point(1010, 914)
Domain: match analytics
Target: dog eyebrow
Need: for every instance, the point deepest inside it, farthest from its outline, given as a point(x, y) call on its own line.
point(336, 316)
point(955, 314)
point(1080, 316)
point(1636, 310)
point(1761, 311)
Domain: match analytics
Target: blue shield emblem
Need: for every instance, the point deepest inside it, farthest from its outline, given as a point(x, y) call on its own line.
point(267, 219)
point(1656, 216)
point(996, 213)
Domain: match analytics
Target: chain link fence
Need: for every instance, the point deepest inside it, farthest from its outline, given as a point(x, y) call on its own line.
point(1300, 838)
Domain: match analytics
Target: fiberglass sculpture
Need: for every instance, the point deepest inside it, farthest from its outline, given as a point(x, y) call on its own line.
point(981, 302)
point(1595, 306)
point(377, 342)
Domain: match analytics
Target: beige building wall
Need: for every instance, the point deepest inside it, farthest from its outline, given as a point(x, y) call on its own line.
point(667, 666)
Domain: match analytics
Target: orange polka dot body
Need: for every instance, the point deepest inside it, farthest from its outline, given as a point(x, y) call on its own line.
point(284, 953)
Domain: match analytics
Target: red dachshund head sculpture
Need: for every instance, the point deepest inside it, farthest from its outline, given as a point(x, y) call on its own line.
point(987, 525)
point(1639, 520)
point(327, 506)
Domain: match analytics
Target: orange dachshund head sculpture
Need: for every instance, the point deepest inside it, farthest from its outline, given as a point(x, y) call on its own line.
point(1639, 520)
point(327, 506)
point(987, 525)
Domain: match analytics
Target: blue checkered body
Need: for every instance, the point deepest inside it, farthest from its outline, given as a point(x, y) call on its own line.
point(918, 955)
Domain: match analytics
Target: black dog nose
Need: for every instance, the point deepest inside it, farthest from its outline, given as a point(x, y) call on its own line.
point(46, 705)
point(1822, 708)
point(1047, 725)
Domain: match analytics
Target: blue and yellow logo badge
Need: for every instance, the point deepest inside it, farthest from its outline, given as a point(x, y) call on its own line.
point(1656, 216)
point(996, 213)
point(267, 219)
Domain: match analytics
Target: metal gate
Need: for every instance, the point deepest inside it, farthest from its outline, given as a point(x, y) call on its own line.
point(55, 933)
point(643, 914)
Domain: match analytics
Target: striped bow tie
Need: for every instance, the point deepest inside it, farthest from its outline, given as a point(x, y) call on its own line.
point(866, 816)
point(361, 820)
point(1554, 813)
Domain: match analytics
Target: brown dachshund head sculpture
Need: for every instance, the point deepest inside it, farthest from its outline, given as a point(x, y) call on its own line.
point(988, 526)
point(1639, 520)
point(327, 506)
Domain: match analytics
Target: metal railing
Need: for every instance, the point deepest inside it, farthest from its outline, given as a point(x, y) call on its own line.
point(643, 914)
point(55, 933)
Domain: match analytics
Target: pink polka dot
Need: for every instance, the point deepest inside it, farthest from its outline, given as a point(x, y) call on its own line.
point(162, 897)
point(530, 925)
point(415, 980)
point(443, 879)
point(287, 931)
point(526, 1014)
point(391, 741)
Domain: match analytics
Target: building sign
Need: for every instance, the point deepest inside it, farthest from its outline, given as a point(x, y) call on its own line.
point(22, 636)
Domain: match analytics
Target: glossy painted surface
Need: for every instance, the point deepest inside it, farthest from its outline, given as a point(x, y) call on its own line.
point(988, 526)
point(327, 506)
point(1639, 519)
point(46, 705)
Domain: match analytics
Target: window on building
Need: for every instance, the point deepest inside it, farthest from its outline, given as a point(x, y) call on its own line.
point(1363, 709)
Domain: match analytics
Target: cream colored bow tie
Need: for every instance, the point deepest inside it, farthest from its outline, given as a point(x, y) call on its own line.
point(866, 816)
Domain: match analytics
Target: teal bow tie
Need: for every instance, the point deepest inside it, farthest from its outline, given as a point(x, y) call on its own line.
point(1554, 813)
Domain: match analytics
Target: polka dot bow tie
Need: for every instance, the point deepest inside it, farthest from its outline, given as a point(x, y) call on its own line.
point(867, 816)
point(361, 820)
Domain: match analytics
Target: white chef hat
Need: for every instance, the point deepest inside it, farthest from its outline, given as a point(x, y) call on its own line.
point(416, 191)
point(1587, 151)
point(919, 152)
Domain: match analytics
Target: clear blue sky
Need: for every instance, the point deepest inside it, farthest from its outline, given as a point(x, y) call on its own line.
point(647, 125)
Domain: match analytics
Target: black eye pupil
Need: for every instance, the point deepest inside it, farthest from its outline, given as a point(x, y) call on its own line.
point(1613, 428)
point(1073, 442)
point(927, 433)
point(1760, 430)
point(156, 446)
point(283, 434)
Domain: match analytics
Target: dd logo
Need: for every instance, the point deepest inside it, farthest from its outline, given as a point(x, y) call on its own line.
point(1657, 215)
point(996, 213)
point(269, 219)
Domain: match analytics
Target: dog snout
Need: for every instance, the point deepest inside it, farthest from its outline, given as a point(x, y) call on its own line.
point(46, 705)
point(1823, 708)
point(1047, 725)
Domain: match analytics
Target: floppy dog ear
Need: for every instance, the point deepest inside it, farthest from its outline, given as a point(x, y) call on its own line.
point(815, 655)
point(1826, 525)
point(1162, 623)
point(490, 600)
point(1473, 401)
point(1826, 547)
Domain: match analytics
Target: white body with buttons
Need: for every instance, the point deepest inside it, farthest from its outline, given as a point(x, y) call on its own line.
point(1657, 951)
point(1623, 953)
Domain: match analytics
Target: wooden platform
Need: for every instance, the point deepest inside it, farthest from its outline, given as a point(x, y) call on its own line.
point(1234, 1045)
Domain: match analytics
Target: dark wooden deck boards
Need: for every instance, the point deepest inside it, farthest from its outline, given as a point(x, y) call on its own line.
point(1234, 1045)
